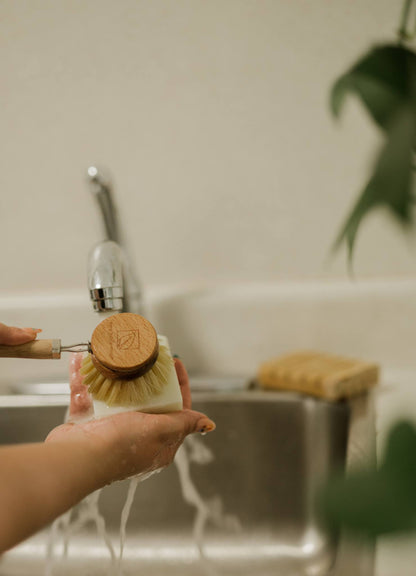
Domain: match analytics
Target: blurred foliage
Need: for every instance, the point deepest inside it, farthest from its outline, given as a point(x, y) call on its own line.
point(371, 503)
point(384, 80)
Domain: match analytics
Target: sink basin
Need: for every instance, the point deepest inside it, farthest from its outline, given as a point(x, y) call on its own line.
point(257, 474)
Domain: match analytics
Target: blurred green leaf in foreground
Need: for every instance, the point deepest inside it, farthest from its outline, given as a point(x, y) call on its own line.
point(371, 503)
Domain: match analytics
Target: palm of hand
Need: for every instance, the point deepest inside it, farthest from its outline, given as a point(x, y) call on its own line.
point(131, 442)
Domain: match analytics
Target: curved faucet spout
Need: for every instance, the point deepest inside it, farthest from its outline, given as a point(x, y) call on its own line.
point(112, 281)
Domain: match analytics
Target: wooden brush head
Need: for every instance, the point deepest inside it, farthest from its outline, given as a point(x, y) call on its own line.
point(124, 346)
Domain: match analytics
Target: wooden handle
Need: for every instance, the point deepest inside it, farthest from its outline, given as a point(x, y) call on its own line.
point(37, 349)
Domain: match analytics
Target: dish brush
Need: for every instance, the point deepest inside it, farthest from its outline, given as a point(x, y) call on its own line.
point(128, 366)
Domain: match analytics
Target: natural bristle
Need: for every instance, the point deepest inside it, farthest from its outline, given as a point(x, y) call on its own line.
point(128, 392)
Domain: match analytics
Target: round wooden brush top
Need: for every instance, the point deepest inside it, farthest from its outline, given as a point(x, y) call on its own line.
point(124, 346)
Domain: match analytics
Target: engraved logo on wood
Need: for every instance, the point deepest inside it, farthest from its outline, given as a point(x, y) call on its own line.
point(128, 339)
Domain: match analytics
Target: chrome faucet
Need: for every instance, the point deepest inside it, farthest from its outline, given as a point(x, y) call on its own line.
point(112, 282)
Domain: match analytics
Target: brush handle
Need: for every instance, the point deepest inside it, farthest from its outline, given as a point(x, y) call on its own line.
point(37, 349)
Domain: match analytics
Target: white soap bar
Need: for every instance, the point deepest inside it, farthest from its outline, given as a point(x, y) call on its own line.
point(168, 400)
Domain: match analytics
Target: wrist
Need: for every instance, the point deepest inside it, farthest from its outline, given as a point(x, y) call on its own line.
point(90, 451)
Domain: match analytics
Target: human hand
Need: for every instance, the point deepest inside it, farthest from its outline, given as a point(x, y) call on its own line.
point(12, 336)
point(129, 443)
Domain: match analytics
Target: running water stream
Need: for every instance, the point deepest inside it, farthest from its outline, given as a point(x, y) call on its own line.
point(206, 510)
point(125, 513)
point(194, 450)
point(72, 522)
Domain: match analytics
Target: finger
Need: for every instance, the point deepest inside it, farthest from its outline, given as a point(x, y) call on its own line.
point(80, 406)
point(11, 336)
point(188, 422)
point(184, 383)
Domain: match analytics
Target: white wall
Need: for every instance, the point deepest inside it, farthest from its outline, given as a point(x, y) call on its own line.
point(212, 116)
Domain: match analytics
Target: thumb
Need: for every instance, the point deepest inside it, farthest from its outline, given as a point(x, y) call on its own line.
point(191, 422)
point(12, 336)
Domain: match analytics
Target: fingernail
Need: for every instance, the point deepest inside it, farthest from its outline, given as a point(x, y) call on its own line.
point(209, 427)
point(176, 356)
point(32, 331)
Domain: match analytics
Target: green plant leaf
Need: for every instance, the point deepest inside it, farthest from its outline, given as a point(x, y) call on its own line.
point(391, 183)
point(384, 80)
point(400, 452)
point(371, 503)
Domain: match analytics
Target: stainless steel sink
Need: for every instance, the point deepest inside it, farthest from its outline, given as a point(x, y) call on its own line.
point(270, 452)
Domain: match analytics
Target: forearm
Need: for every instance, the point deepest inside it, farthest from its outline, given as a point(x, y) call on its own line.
point(38, 482)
